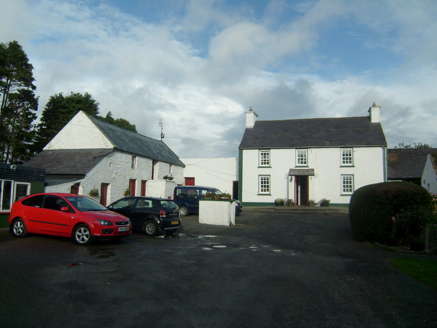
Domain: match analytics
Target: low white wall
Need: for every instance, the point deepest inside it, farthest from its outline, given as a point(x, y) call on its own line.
point(160, 188)
point(214, 212)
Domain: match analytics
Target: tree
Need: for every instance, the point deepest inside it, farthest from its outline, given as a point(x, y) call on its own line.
point(18, 103)
point(419, 145)
point(120, 122)
point(58, 111)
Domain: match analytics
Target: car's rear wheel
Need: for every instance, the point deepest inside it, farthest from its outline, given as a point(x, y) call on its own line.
point(183, 211)
point(150, 228)
point(82, 235)
point(19, 228)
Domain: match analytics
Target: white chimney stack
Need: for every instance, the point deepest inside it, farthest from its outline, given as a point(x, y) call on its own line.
point(250, 118)
point(375, 113)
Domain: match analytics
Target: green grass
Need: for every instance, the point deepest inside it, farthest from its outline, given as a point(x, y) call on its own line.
point(424, 271)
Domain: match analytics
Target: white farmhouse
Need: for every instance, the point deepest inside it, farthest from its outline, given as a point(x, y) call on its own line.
point(91, 154)
point(310, 159)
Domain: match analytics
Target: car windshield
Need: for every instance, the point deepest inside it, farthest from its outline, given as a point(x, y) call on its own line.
point(85, 204)
point(217, 192)
point(168, 205)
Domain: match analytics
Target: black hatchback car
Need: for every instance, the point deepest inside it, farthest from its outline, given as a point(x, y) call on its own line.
point(149, 214)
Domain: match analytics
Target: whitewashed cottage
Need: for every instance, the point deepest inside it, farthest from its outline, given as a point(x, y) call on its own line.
point(91, 154)
point(310, 159)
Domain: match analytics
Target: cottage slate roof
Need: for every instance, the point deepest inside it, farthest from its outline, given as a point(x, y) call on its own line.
point(135, 143)
point(68, 161)
point(407, 163)
point(318, 132)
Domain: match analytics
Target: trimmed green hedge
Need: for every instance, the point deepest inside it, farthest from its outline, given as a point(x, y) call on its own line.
point(389, 210)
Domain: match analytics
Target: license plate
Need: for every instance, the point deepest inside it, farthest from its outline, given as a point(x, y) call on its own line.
point(123, 229)
point(174, 222)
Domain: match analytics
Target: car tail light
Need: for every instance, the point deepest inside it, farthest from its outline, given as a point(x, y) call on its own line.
point(162, 213)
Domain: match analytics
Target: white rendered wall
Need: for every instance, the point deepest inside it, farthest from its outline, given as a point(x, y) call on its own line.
point(219, 173)
point(79, 133)
point(160, 188)
point(368, 168)
point(429, 177)
point(217, 212)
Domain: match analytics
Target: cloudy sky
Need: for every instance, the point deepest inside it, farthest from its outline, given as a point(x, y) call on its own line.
point(199, 65)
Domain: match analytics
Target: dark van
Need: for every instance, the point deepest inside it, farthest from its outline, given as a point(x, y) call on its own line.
point(187, 198)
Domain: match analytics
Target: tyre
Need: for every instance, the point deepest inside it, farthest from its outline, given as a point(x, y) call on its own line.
point(150, 228)
point(183, 211)
point(19, 228)
point(82, 235)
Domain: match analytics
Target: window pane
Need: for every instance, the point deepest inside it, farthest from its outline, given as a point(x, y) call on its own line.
point(6, 195)
point(34, 201)
point(301, 157)
point(264, 184)
point(264, 158)
point(346, 156)
point(21, 190)
point(348, 184)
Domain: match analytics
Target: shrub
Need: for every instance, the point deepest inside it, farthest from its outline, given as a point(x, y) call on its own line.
point(389, 210)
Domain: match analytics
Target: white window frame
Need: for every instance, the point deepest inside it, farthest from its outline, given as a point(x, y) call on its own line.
point(264, 158)
point(134, 162)
point(347, 159)
point(347, 184)
point(27, 184)
point(2, 191)
point(12, 193)
point(262, 179)
point(300, 159)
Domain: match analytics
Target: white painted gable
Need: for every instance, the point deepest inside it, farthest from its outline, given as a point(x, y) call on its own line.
point(79, 133)
point(429, 176)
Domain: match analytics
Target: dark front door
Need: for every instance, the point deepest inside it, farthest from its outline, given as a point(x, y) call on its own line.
point(301, 189)
point(104, 193)
point(74, 189)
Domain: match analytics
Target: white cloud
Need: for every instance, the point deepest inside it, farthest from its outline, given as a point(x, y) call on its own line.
point(145, 71)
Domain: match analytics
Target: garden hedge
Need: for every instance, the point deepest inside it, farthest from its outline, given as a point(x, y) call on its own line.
point(388, 210)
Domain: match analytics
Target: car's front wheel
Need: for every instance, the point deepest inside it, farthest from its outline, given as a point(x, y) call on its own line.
point(82, 235)
point(19, 228)
point(183, 211)
point(150, 228)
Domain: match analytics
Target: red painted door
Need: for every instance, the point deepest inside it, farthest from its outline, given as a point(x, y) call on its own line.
point(132, 185)
point(143, 187)
point(104, 193)
point(189, 181)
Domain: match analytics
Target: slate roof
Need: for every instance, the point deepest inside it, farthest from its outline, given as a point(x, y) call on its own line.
point(407, 163)
point(68, 161)
point(318, 132)
point(135, 143)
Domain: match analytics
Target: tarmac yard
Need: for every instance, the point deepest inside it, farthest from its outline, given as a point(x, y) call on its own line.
point(272, 269)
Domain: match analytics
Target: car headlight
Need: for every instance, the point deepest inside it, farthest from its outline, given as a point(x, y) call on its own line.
point(105, 222)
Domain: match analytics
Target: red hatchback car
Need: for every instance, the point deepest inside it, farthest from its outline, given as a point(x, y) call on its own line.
point(67, 215)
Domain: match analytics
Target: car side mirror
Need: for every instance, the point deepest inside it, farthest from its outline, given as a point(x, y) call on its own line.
point(109, 206)
point(65, 209)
